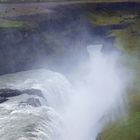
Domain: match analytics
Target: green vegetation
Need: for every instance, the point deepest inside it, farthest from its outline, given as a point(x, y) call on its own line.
point(128, 129)
point(128, 39)
point(123, 130)
point(5, 23)
point(105, 19)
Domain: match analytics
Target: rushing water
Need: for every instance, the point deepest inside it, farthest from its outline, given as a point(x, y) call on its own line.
point(71, 108)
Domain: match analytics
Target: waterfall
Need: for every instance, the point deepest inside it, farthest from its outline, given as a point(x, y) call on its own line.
point(71, 108)
point(98, 88)
point(21, 121)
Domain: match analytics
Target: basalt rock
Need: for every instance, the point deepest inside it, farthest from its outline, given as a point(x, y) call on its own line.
point(2, 99)
point(99, 136)
point(36, 92)
point(9, 92)
point(6, 94)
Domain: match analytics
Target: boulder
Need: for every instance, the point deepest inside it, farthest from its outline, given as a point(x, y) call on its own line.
point(6, 94)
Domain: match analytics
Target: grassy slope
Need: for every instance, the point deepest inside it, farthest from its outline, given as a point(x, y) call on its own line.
point(9, 11)
point(8, 23)
point(109, 20)
point(123, 130)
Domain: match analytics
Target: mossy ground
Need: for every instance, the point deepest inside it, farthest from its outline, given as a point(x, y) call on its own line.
point(106, 20)
point(8, 23)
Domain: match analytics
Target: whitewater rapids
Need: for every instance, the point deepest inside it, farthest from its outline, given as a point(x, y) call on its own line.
point(33, 123)
point(71, 108)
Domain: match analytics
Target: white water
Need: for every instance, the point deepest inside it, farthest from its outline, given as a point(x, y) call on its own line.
point(27, 122)
point(74, 107)
point(99, 86)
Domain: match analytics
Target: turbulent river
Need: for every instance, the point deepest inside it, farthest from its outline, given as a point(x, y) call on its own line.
point(46, 105)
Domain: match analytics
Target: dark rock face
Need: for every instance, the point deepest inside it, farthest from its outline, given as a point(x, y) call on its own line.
point(2, 99)
point(5, 95)
point(14, 92)
point(99, 136)
point(33, 92)
point(58, 39)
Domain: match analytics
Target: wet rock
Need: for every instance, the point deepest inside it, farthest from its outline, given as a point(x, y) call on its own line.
point(36, 92)
point(3, 99)
point(6, 93)
point(35, 102)
point(99, 136)
point(9, 92)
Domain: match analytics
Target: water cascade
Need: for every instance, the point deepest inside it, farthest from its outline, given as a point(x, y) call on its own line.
point(68, 108)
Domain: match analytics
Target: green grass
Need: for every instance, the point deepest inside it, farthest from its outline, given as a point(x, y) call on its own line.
point(5, 23)
point(106, 19)
point(128, 129)
point(123, 130)
point(128, 39)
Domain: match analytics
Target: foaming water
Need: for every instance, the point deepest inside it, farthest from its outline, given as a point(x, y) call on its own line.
point(70, 109)
point(21, 121)
point(99, 87)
